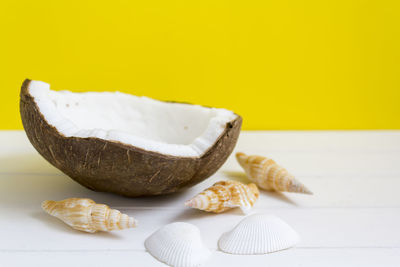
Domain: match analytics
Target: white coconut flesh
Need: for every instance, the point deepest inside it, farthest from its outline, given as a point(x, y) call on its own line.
point(174, 129)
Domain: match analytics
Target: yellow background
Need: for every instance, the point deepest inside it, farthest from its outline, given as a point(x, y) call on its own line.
point(280, 64)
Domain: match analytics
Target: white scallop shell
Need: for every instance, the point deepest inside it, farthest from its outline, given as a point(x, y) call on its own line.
point(258, 234)
point(178, 244)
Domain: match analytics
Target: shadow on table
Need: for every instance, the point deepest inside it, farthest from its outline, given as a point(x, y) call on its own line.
point(29, 185)
point(24, 188)
point(35, 180)
point(193, 214)
point(26, 164)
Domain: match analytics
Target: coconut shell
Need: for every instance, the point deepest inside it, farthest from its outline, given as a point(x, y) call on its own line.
point(111, 166)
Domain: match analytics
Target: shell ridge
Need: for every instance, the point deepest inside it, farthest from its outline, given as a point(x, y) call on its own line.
point(258, 234)
point(178, 244)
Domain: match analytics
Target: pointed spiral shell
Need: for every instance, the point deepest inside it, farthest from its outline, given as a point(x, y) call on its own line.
point(84, 214)
point(225, 195)
point(268, 175)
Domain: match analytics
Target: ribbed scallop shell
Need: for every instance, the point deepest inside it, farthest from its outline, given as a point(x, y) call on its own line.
point(258, 234)
point(268, 175)
point(178, 244)
point(85, 215)
point(225, 195)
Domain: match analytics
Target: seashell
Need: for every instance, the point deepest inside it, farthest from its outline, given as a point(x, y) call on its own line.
point(268, 175)
point(225, 195)
point(258, 234)
point(85, 215)
point(178, 244)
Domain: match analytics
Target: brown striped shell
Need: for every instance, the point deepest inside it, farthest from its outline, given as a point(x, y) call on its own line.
point(225, 195)
point(268, 175)
point(84, 214)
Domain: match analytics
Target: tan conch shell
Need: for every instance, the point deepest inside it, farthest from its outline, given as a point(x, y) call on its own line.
point(85, 215)
point(225, 195)
point(268, 175)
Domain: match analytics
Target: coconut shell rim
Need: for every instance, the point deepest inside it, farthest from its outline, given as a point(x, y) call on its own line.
point(25, 93)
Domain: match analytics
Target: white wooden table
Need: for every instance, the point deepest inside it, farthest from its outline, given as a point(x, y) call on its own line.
point(353, 218)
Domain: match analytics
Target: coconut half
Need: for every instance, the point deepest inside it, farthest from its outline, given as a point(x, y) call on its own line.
point(129, 145)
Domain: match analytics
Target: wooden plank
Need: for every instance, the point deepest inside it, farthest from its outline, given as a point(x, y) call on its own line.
point(342, 157)
point(18, 191)
point(32, 229)
point(352, 219)
point(371, 141)
point(330, 141)
point(293, 257)
point(304, 164)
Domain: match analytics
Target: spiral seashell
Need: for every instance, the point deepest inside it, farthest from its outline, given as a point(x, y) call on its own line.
point(84, 214)
point(225, 195)
point(268, 175)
